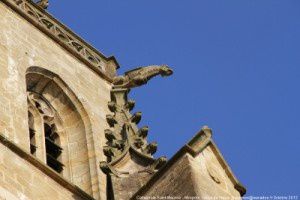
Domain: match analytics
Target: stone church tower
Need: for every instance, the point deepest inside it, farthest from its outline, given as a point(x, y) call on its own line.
point(66, 127)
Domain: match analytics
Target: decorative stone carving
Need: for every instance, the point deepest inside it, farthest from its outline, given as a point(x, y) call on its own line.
point(108, 169)
point(41, 104)
point(127, 146)
point(109, 135)
point(159, 163)
point(136, 118)
point(124, 133)
point(108, 151)
point(63, 36)
point(141, 76)
point(43, 4)
point(111, 120)
point(112, 106)
point(130, 104)
point(143, 132)
point(151, 148)
point(156, 165)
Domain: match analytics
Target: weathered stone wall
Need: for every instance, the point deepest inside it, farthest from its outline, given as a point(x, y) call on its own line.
point(23, 46)
point(200, 177)
point(176, 182)
point(20, 180)
point(210, 176)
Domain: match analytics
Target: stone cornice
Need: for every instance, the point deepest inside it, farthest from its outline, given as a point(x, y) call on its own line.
point(102, 65)
point(44, 168)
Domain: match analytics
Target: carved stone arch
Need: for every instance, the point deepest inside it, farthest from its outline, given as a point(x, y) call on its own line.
point(73, 124)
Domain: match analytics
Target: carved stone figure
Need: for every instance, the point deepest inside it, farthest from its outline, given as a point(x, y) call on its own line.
point(151, 148)
point(112, 106)
point(130, 105)
point(143, 132)
point(141, 76)
point(111, 120)
point(43, 4)
point(109, 135)
point(136, 118)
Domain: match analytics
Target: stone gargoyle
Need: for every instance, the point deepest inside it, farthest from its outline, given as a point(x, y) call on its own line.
point(140, 76)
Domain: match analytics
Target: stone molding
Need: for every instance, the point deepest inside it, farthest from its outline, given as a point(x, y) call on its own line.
point(102, 65)
point(42, 167)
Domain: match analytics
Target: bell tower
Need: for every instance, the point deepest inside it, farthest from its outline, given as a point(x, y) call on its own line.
point(67, 130)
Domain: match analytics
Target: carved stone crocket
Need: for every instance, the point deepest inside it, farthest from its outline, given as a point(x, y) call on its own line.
point(141, 76)
point(43, 4)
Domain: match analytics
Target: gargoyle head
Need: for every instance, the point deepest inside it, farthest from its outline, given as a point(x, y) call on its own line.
point(165, 70)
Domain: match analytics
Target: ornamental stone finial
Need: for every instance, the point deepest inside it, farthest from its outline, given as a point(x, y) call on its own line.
point(43, 4)
point(140, 76)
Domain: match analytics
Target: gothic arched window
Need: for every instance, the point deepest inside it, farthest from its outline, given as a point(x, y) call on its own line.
point(51, 144)
point(60, 128)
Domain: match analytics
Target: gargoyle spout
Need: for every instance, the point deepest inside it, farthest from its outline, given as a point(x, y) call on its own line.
point(141, 76)
point(166, 71)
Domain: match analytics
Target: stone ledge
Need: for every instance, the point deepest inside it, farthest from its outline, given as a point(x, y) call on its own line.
point(102, 65)
point(44, 168)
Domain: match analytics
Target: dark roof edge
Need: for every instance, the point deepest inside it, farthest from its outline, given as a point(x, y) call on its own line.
point(65, 37)
point(195, 146)
point(44, 168)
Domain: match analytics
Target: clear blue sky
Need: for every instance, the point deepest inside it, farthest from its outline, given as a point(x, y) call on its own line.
point(236, 69)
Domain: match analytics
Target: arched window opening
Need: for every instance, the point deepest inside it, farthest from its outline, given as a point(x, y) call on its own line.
point(46, 129)
point(61, 128)
point(31, 134)
point(53, 150)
